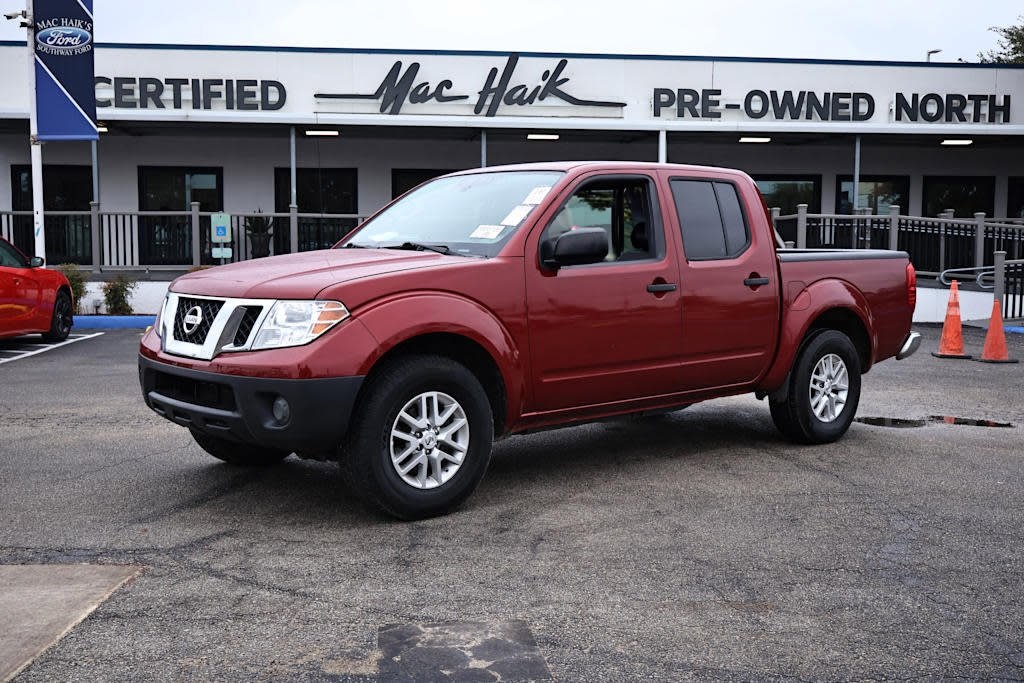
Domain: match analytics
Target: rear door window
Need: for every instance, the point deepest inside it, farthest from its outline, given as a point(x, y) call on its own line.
point(710, 218)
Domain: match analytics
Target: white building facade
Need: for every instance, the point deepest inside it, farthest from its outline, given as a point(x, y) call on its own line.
point(226, 126)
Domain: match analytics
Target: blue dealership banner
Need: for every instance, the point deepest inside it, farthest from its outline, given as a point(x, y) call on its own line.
point(65, 85)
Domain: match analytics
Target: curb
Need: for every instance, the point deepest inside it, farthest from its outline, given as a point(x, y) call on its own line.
point(112, 322)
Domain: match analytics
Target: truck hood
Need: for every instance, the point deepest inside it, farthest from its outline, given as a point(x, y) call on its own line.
point(303, 275)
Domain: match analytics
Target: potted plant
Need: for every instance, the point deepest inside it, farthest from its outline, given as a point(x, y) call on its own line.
point(260, 229)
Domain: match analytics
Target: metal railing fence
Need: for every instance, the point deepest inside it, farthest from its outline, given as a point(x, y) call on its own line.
point(171, 240)
point(175, 240)
point(934, 244)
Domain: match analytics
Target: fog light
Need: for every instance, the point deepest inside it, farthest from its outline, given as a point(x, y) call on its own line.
point(282, 411)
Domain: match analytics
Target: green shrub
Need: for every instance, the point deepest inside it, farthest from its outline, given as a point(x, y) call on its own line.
point(116, 293)
point(76, 278)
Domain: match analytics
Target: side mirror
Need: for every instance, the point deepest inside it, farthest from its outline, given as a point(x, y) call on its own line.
point(574, 248)
point(36, 262)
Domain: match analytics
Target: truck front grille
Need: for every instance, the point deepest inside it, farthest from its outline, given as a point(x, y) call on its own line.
point(196, 392)
point(194, 332)
point(245, 325)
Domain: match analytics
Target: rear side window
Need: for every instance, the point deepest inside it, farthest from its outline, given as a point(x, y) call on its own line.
point(710, 218)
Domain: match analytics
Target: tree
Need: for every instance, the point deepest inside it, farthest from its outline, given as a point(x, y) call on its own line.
point(1011, 45)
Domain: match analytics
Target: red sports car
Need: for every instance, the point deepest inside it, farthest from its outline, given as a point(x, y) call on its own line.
point(32, 298)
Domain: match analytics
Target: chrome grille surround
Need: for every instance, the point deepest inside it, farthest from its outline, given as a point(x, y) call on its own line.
point(223, 333)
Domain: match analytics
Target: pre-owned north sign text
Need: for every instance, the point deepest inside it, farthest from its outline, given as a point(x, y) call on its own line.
point(832, 106)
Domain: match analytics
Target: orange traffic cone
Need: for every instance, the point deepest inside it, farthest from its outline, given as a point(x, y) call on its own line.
point(952, 343)
point(995, 341)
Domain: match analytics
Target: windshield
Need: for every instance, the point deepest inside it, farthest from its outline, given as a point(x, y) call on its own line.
point(471, 215)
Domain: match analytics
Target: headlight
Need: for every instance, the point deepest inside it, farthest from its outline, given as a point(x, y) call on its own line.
point(294, 323)
point(158, 323)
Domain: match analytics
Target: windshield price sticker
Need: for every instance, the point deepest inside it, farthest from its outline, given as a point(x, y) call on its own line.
point(537, 195)
point(487, 232)
point(516, 215)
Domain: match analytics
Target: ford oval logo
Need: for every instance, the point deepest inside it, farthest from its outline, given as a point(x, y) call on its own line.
point(63, 38)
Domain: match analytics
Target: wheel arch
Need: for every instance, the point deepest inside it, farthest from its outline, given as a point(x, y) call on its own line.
point(460, 349)
point(456, 327)
point(67, 289)
point(849, 323)
point(825, 305)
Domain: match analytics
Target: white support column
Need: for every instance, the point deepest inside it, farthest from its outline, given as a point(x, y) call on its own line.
point(979, 239)
point(483, 148)
point(894, 227)
point(293, 201)
point(34, 144)
point(662, 146)
point(94, 144)
point(801, 226)
point(856, 175)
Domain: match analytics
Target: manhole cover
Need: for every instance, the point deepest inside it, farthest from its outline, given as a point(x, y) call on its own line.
point(890, 422)
point(951, 420)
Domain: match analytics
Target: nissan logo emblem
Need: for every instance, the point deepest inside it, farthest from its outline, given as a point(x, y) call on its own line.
point(193, 317)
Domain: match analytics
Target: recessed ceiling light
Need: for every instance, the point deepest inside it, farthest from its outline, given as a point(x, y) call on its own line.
point(541, 136)
point(323, 133)
point(748, 139)
point(957, 143)
point(101, 128)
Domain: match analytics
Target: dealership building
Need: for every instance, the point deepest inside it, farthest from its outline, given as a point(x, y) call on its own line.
point(339, 131)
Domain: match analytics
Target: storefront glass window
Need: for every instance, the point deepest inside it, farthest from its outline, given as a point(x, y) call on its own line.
point(65, 188)
point(1015, 200)
point(786, 191)
point(167, 240)
point(966, 195)
point(404, 179)
point(877, 193)
point(169, 188)
point(320, 191)
point(317, 190)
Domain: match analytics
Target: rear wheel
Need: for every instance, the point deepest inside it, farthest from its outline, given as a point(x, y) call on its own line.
point(421, 440)
point(824, 390)
point(238, 453)
point(60, 322)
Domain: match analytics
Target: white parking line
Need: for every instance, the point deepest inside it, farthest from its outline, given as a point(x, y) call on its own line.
point(25, 354)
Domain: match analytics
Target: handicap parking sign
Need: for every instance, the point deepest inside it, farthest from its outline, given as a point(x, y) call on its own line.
point(220, 227)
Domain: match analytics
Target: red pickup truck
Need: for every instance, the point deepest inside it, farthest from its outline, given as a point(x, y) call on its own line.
point(502, 300)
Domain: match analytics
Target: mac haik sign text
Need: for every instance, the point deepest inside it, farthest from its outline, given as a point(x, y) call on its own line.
point(64, 99)
point(404, 85)
point(808, 105)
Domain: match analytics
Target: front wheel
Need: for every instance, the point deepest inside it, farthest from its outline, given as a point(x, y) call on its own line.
point(235, 453)
point(421, 439)
point(60, 323)
point(824, 390)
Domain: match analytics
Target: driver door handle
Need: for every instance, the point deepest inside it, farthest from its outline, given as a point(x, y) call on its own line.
point(755, 281)
point(656, 288)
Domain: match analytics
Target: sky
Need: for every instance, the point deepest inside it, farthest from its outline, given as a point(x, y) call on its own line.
point(899, 30)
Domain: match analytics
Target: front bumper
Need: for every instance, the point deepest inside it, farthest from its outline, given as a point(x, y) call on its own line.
point(909, 346)
point(240, 408)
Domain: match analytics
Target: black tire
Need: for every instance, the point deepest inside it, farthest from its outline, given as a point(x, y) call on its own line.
point(366, 459)
point(235, 453)
point(62, 319)
point(795, 417)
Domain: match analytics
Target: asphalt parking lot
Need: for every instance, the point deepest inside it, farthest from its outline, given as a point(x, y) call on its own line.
point(697, 545)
